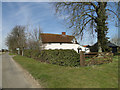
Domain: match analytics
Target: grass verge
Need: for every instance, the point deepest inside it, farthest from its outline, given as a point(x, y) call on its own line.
point(54, 76)
point(12, 53)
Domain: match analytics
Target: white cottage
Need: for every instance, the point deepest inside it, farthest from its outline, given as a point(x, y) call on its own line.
point(61, 41)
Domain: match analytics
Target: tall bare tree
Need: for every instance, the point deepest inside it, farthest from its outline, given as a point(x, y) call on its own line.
point(17, 38)
point(87, 14)
point(10, 42)
point(34, 40)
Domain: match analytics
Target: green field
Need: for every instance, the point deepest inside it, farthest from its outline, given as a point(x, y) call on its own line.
point(54, 76)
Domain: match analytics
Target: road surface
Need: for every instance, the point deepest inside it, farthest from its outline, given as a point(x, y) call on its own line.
point(12, 75)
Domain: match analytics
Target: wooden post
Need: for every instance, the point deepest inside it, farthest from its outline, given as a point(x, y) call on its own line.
point(82, 59)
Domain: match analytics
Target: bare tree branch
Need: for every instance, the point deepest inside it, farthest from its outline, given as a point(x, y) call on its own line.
point(113, 12)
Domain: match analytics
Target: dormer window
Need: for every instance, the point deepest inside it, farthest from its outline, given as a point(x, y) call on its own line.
point(73, 41)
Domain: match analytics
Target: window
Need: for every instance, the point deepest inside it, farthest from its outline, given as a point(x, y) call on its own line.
point(73, 41)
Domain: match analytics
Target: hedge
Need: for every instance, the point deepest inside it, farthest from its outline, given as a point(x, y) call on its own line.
point(59, 57)
point(65, 57)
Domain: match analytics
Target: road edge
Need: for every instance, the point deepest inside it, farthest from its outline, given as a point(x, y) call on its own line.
point(27, 75)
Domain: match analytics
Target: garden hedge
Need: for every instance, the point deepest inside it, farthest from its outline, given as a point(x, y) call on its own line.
point(59, 57)
point(65, 57)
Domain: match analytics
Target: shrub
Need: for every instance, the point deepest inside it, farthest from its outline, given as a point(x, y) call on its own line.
point(59, 57)
point(31, 53)
point(27, 53)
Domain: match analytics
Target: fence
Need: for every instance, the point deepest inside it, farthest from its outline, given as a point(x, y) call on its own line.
point(90, 55)
point(95, 58)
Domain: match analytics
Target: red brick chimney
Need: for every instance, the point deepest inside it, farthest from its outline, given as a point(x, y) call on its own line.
point(63, 33)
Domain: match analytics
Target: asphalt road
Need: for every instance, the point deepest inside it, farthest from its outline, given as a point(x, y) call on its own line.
point(12, 75)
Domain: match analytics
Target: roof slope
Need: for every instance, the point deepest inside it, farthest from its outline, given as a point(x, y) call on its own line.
point(111, 44)
point(55, 38)
point(108, 44)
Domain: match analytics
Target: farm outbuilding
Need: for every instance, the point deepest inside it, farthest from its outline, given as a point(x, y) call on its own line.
point(94, 48)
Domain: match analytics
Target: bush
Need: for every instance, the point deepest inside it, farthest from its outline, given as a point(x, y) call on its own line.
point(32, 53)
point(27, 53)
point(59, 57)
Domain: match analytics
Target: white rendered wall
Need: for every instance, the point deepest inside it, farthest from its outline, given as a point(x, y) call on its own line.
point(64, 46)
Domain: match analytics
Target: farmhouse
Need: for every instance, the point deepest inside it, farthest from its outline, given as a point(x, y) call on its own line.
point(61, 41)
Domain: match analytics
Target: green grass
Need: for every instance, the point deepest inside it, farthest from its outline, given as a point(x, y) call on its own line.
point(12, 53)
point(54, 76)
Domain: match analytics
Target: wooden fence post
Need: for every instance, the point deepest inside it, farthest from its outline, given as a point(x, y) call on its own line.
point(82, 59)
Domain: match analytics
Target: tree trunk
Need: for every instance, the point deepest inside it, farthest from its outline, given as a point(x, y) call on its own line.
point(99, 37)
point(101, 26)
point(22, 52)
point(99, 47)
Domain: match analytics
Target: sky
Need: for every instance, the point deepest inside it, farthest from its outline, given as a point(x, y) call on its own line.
point(37, 14)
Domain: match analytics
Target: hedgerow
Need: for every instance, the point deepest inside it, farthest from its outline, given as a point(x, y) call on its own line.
point(64, 57)
point(59, 57)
